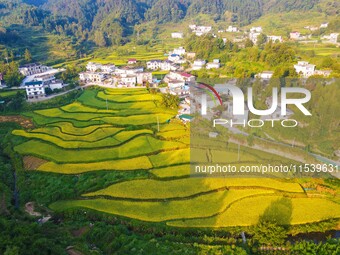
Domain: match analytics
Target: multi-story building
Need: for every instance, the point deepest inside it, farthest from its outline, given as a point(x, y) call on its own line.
point(33, 68)
point(35, 89)
point(305, 69)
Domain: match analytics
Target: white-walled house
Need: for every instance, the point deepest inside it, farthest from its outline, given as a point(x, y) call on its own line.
point(144, 77)
point(179, 51)
point(214, 65)
point(161, 65)
point(332, 38)
point(96, 67)
point(232, 29)
point(35, 89)
point(256, 30)
point(91, 77)
point(274, 38)
point(253, 37)
point(33, 68)
point(56, 84)
point(294, 35)
point(265, 75)
point(198, 64)
point(128, 70)
point(324, 25)
point(180, 76)
point(177, 35)
point(305, 69)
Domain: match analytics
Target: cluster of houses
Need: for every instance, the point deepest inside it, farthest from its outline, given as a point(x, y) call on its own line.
point(126, 76)
point(200, 30)
point(305, 69)
point(38, 78)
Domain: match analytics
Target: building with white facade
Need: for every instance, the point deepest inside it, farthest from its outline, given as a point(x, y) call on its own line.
point(33, 68)
point(274, 38)
point(96, 67)
point(35, 89)
point(214, 65)
point(253, 37)
point(256, 30)
point(232, 29)
point(265, 75)
point(294, 35)
point(177, 35)
point(179, 51)
point(305, 69)
point(200, 30)
point(180, 76)
point(324, 25)
point(161, 65)
point(91, 77)
point(143, 78)
point(332, 38)
point(198, 64)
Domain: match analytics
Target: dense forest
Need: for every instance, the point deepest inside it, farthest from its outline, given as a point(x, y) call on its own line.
point(110, 22)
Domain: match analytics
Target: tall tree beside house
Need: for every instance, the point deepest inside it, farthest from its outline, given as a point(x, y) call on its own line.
point(261, 39)
point(28, 56)
point(5, 55)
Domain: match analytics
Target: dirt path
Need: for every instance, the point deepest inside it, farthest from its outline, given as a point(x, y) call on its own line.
point(22, 121)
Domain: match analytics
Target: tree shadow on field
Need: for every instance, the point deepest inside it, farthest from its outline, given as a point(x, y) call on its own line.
point(279, 212)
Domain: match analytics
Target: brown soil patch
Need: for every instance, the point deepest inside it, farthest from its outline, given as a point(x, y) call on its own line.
point(33, 163)
point(22, 121)
point(80, 232)
point(72, 251)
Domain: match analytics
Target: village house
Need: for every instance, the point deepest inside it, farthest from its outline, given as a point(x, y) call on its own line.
point(180, 76)
point(91, 77)
point(95, 67)
point(128, 70)
point(265, 75)
point(232, 29)
point(214, 65)
point(176, 58)
point(198, 64)
point(143, 78)
point(127, 80)
point(191, 55)
point(179, 51)
point(332, 38)
point(298, 36)
point(253, 37)
point(177, 35)
point(35, 89)
point(274, 38)
point(305, 69)
point(33, 68)
point(132, 61)
point(256, 30)
point(324, 25)
point(200, 30)
point(161, 65)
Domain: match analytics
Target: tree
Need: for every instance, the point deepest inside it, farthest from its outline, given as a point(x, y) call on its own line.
point(268, 233)
point(28, 56)
point(5, 55)
point(99, 39)
point(170, 101)
point(261, 39)
point(248, 43)
point(13, 77)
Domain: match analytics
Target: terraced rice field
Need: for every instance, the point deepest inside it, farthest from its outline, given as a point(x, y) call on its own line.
point(116, 130)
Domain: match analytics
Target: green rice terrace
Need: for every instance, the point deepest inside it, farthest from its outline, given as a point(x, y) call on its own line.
point(117, 131)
